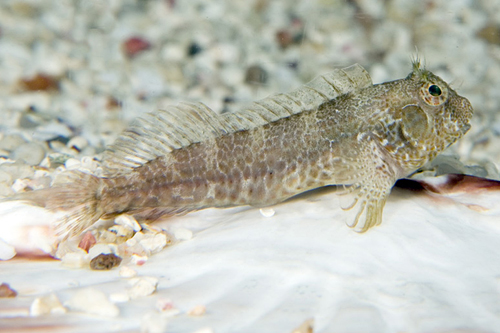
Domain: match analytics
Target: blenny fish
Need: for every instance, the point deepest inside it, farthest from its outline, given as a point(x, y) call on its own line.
point(339, 129)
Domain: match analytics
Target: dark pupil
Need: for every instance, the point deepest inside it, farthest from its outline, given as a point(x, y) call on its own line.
point(435, 90)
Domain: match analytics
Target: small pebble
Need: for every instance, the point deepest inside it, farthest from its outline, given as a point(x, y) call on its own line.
point(153, 243)
point(128, 221)
point(267, 212)
point(78, 143)
point(106, 236)
point(138, 260)
point(92, 301)
point(134, 46)
point(98, 249)
point(127, 272)
point(490, 33)
point(88, 240)
point(75, 259)
point(256, 75)
point(46, 305)
point(18, 170)
point(105, 262)
point(284, 38)
point(11, 142)
point(29, 121)
point(306, 327)
point(144, 286)
point(113, 103)
point(40, 82)
point(194, 49)
point(123, 233)
point(88, 163)
point(7, 291)
point(198, 310)
point(72, 164)
point(31, 153)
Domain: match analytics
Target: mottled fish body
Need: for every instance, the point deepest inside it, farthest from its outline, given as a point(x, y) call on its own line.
point(339, 129)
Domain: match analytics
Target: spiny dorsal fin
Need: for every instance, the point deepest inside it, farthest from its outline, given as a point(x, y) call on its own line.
point(158, 133)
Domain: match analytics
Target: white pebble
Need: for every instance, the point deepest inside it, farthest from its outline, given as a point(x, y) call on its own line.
point(18, 170)
point(75, 259)
point(99, 248)
point(183, 234)
point(153, 243)
point(144, 286)
point(127, 272)
point(46, 305)
point(78, 143)
point(92, 301)
point(121, 231)
point(138, 260)
point(6, 251)
point(267, 212)
point(128, 221)
point(88, 163)
point(72, 164)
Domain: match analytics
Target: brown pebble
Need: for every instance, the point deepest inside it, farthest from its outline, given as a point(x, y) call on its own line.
point(7, 291)
point(105, 262)
point(284, 38)
point(87, 241)
point(135, 45)
point(256, 75)
point(490, 33)
point(112, 103)
point(40, 82)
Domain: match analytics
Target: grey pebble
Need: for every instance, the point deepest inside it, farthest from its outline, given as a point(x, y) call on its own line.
point(31, 153)
point(17, 170)
point(11, 142)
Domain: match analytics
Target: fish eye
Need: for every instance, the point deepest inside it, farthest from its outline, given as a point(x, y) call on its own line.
point(434, 90)
point(433, 94)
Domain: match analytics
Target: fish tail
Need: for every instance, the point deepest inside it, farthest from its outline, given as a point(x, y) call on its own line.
point(78, 199)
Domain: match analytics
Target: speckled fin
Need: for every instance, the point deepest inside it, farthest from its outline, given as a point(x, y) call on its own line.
point(160, 132)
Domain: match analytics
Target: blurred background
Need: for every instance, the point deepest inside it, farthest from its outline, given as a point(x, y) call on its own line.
point(75, 72)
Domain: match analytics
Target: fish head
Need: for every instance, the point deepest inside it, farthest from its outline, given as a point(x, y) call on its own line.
point(437, 115)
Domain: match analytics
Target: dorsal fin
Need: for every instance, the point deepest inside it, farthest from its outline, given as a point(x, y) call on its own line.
point(158, 133)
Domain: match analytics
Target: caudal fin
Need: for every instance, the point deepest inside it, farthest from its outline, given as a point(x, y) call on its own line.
point(77, 199)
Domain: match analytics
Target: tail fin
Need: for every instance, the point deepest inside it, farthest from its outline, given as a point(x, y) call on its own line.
point(77, 198)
